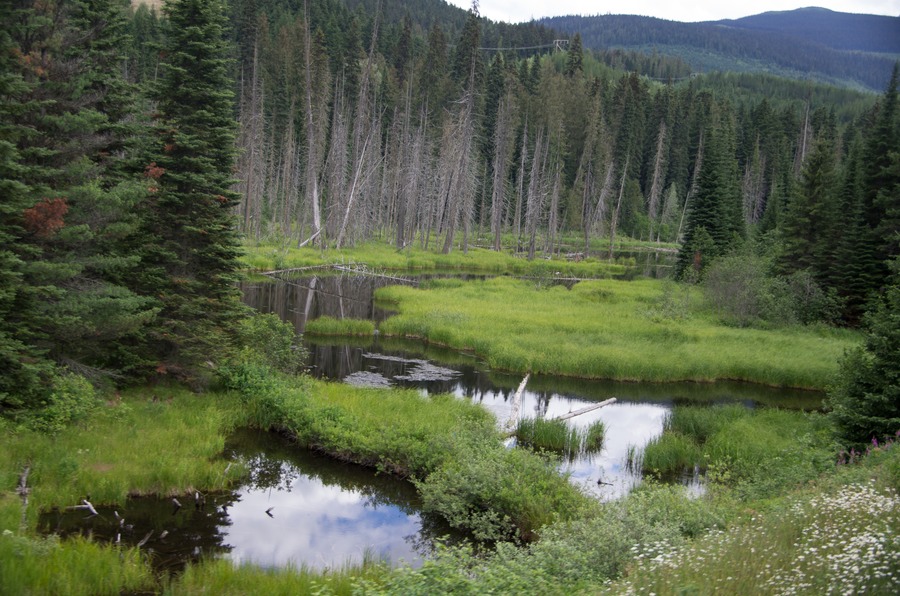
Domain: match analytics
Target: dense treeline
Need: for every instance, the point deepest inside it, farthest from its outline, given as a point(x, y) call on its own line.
point(712, 46)
point(135, 147)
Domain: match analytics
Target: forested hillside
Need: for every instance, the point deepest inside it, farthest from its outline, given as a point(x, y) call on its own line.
point(766, 43)
point(838, 30)
point(137, 148)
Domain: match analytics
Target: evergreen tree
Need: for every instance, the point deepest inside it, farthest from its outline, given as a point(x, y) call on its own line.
point(714, 218)
point(808, 232)
point(575, 57)
point(24, 370)
point(190, 242)
point(75, 201)
point(865, 403)
point(882, 180)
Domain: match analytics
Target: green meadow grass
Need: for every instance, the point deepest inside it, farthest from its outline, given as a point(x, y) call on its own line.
point(381, 256)
point(163, 440)
point(609, 329)
point(225, 578)
point(332, 326)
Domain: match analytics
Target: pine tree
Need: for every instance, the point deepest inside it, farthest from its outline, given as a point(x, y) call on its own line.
point(714, 219)
point(808, 231)
point(865, 402)
point(575, 57)
point(190, 241)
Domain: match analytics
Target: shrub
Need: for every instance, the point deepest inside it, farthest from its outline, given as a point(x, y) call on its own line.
point(267, 340)
point(71, 399)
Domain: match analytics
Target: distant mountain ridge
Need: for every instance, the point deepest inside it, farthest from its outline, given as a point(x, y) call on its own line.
point(837, 30)
point(839, 48)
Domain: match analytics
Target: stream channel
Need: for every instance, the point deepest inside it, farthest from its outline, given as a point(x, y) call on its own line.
point(300, 508)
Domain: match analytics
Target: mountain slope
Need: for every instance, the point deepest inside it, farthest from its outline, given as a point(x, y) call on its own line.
point(837, 30)
point(726, 46)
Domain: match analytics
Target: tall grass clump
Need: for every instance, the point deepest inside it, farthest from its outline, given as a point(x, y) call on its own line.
point(225, 577)
point(550, 434)
point(700, 423)
point(594, 435)
point(332, 326)
point(77, 566)
point(671, 453)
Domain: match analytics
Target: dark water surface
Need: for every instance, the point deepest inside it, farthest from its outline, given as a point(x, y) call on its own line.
point(295, 507)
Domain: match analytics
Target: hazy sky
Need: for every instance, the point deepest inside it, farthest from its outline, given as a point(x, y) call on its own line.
point(515, 11)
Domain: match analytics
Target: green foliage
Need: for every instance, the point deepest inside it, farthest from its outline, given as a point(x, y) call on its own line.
point(865, 400)
point(71, 399)
point(744, 292)
point(604, 329)
point(326, 325)
point(497, 493)
point(266, 339)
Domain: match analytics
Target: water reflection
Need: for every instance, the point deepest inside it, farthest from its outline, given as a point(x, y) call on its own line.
point(633, 421)
point(295, 508)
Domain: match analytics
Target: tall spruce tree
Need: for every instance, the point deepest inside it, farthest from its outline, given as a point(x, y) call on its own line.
point(190, 243)
point(70, 205)
point(714, 218)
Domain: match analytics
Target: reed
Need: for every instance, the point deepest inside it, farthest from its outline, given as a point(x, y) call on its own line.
point(671, 453)
point(332, 326)
point(76, 567)
point(550, 434)
point(700, 423)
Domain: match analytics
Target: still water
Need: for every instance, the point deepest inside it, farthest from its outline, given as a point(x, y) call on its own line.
point(636, 417)
point(294, 507)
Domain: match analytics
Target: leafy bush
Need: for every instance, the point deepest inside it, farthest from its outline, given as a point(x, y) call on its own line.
point(266, 339)
point(71, 398)
point(497, 493)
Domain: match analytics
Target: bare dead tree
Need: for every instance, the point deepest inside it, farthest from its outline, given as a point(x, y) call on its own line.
point(502, 155)
point(535, 202)
point(656, 179)
point(695, 181)
point(614, 221)
point(251, 145)
point(753, 186)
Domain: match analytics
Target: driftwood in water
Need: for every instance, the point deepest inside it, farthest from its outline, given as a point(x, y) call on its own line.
point(590, 408)
point(362, 271)
point(516, 406)
point(295, 269)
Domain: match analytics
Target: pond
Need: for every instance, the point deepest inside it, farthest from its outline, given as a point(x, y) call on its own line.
point(633, 420)
point(295, 507)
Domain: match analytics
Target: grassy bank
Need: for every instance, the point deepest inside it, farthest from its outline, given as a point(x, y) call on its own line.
point(380, 256)
point(168, 441)
point(641, 330)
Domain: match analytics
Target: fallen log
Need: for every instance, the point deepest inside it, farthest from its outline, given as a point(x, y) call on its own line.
point(516, 406)
point(590, 408)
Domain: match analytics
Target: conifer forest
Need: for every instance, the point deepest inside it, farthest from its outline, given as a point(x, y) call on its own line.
point(146, 147)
